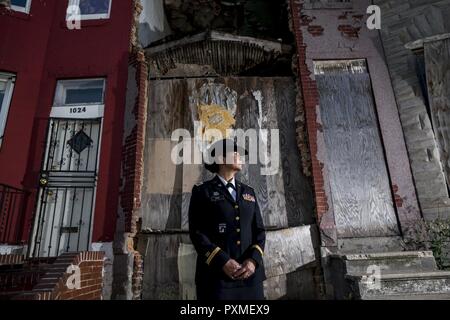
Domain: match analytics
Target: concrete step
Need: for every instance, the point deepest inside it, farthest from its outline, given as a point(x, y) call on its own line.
point(402, 284)
point(430, 296)
point(388, 263)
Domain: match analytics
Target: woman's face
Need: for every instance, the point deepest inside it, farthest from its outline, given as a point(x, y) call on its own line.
point(233, 161)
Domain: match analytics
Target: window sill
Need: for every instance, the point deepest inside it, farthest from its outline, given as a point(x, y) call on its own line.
point(15, 14)
point(88, 23)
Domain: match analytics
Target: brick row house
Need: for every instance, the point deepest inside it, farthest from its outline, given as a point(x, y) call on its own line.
point(63, 89)
point(360, 175)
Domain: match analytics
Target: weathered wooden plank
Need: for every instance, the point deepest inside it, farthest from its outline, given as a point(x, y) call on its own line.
point(161, 275)
point(268, 103)
point(362, 201)
point(169, 263)
point(186, 265)
point(187, 56)
point(161, 197)
point(297, 285)
point(437, 60)
point(166, 108)
point(287, 250)
point(297, 192)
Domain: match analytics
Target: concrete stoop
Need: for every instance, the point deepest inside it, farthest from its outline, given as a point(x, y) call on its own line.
point(390, 276)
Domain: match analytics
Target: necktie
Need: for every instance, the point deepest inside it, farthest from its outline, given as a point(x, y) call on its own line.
point(232, 190)
point(230, 185)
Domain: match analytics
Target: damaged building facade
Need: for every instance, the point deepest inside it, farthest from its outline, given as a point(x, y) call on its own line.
point(226, 65)
point(361, 116)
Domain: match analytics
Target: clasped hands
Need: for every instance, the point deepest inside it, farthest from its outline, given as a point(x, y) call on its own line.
point(236, 271)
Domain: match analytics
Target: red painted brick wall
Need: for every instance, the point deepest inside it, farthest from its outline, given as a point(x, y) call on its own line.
point(41, 50)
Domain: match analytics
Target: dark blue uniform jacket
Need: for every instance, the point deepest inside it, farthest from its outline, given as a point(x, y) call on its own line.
point(221, 228)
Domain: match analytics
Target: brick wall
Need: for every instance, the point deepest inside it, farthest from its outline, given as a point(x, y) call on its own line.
point(311, 100)
point(132, 154)
point(16, 276)
point(133, 146)
point(53, 284)
point(128, 268)
point(11, 259)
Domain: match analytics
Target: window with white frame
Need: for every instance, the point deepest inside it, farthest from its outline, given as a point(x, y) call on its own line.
point(91, 9)
point(80, 99)
point(80, 92)
point(21, 5)
point(6, 90)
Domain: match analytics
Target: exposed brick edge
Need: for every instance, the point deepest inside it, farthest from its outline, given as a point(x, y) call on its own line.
point(11, 259)
point(133, 154)
point(52, 283)
point(133, 147)
point(311, 100)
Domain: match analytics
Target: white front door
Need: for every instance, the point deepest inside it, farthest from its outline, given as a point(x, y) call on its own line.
point(65, 209)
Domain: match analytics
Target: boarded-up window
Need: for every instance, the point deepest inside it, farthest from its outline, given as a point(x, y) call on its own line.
point(359, 184)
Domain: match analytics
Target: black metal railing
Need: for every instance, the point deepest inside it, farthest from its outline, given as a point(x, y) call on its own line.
point(12, 214)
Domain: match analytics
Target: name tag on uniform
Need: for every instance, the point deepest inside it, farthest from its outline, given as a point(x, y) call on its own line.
point(222, 228)
point(249, 197)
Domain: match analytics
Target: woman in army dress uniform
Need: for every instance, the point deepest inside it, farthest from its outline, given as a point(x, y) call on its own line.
point(226, 228)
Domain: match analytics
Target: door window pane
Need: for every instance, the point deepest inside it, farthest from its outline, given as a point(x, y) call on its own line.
point(21, 5)
point(81, 96)
point(94, 7)
point(77, 92)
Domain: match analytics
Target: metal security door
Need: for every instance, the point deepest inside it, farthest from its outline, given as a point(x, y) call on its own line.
point(359, 180)
point(68, 183)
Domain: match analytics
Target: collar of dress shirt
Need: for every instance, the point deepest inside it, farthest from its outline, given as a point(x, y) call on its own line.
point(225, 182)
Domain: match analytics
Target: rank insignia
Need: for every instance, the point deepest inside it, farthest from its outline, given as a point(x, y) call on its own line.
point(249, 197)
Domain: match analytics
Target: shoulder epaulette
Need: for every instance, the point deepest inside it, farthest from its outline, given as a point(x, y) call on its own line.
point(247, 185)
